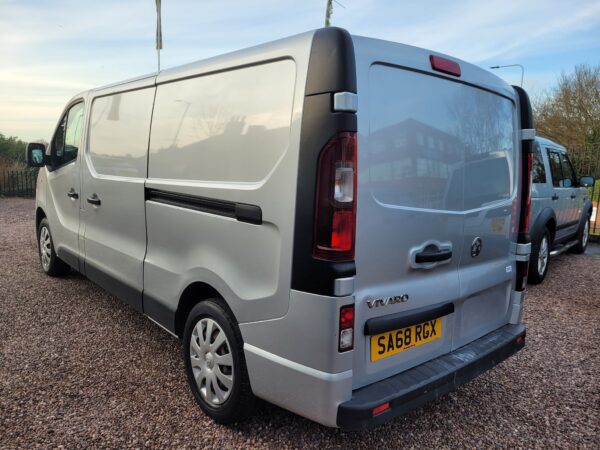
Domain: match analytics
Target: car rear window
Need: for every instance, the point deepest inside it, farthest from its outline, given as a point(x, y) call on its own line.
point(437, 144)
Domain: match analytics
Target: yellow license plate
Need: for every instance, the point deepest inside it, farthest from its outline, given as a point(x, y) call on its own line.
point(392, 342)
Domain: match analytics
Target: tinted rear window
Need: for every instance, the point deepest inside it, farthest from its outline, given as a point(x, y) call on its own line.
point(436, 144)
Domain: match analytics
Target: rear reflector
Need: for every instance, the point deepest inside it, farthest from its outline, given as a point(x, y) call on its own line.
point(346, 336)
point(444, 65)
point(381, 408)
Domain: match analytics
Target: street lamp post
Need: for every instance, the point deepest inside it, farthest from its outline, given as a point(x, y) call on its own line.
point(512, 65)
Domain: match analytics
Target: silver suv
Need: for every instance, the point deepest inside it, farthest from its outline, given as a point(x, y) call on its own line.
point(560, 207)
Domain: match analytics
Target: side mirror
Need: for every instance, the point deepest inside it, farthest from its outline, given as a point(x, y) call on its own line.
point(36, 154)
point(586, 181)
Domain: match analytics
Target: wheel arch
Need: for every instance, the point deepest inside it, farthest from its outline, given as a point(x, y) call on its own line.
point(586, 213)
point(40, 215)
point(545, 219)
point(193, 294)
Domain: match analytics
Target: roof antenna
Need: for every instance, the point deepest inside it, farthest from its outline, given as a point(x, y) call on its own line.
point(329, 11)
point(159, 44)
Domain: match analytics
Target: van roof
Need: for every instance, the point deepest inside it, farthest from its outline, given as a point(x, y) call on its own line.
point(273, 49)
point(418, 58)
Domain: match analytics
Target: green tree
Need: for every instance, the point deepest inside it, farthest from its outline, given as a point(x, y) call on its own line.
point(12, 149)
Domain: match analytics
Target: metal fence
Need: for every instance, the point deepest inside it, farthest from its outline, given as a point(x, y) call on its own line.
point(18, 183)
point(586, 160)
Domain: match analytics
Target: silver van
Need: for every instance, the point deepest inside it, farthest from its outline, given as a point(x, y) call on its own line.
point(331, 223)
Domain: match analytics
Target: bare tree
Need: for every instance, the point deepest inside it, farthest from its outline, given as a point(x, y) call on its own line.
point(570, 112)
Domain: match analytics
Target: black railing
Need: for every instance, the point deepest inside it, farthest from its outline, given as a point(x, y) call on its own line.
point(586, 159)
point(18, 183)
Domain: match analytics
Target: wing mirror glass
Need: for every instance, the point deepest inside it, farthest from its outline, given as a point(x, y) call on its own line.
point(36, 154)
point(586, 181)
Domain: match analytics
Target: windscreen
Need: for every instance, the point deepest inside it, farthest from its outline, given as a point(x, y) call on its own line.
point(438, 144)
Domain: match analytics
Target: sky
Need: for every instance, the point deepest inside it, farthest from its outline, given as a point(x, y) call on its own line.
point(52, 49)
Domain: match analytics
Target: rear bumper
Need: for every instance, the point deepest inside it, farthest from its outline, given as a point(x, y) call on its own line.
point(419, 385)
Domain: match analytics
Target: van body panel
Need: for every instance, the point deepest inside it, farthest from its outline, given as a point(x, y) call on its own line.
point(318, 348)
point(208, 127)
point(63, 211)
point(114, 171)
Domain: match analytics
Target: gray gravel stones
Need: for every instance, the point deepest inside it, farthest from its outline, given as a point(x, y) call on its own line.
point(79, 369)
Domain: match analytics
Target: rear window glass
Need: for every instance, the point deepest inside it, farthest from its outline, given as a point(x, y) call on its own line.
point(539, 171)
point(436, 144)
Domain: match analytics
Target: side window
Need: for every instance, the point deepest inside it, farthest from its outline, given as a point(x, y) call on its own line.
point(67, 138)
point(119, 132)
point(539, 171)
point(568, 172)
point(555, 168)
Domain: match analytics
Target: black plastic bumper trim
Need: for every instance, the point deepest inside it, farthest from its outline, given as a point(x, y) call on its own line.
point(378, 325)
point(240, 211)
point(415, 387)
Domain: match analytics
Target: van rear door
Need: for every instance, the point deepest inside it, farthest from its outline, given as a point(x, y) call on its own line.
point(436, 183)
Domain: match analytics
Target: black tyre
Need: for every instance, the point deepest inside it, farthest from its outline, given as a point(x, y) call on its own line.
point(215, 364)
point(540, 258)
point(582, 238)
point(51, 263)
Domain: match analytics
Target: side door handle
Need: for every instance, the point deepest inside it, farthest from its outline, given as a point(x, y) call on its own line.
point(72, 194)
point(427, 256)
point(555, 197)
point(573, 196)
point(94, 200)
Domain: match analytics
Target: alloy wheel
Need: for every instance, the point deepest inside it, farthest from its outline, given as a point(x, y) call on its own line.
point(543, 256)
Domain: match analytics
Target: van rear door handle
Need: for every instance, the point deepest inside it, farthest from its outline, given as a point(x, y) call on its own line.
point(72, 194)
point(94, 200)
point(573, 196)
point(555, 197)
point(435, 256)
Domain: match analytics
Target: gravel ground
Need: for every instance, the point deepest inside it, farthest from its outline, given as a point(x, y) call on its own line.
point(79, 369)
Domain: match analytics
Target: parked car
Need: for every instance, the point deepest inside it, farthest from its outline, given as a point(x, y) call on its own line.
point(332, 223)
point(561, 207)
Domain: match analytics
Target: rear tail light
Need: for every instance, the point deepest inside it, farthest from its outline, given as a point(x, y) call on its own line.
point(335, 206)
point(526, 194)
point(346, 336)
point(444, 65)
point(526, 174)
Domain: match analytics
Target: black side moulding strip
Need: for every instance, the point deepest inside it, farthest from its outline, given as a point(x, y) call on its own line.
point(242, 212)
